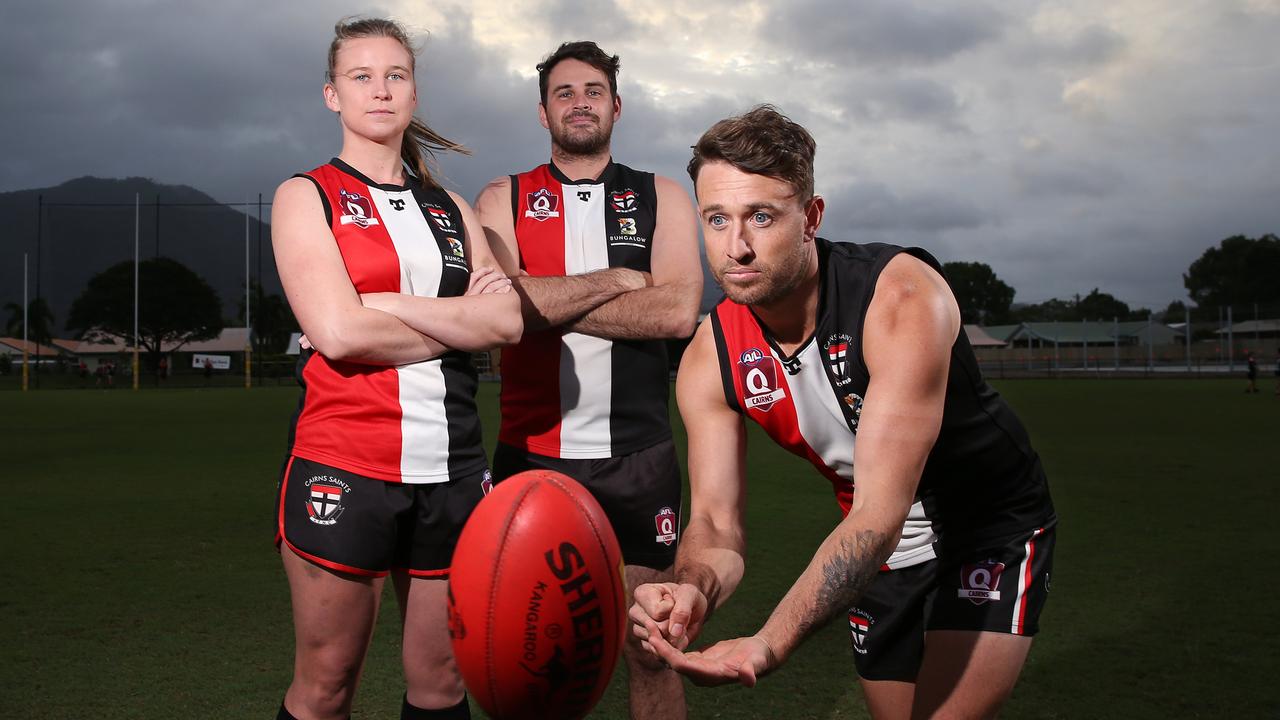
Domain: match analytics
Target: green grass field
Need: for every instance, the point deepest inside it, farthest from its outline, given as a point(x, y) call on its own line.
point(139, 579)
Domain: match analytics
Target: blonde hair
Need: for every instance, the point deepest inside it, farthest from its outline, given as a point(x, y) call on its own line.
point(420, 144)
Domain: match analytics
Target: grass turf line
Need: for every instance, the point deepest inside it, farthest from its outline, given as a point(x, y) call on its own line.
point(139, 580)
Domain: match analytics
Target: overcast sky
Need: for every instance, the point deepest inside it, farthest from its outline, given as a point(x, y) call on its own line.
point(1070, 145)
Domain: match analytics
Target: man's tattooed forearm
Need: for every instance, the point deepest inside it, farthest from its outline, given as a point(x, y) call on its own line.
point(845, 575)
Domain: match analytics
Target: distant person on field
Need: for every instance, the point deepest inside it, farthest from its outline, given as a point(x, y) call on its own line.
point(1252, 373)
point(1277, 371)
point(854, 358)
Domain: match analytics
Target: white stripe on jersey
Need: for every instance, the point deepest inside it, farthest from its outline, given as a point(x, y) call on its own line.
point(424, 450)
point(823, 427)
point(586, 368)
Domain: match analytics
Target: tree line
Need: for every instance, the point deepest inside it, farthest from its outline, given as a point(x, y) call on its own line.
point(1239, 272)
point(177, 306)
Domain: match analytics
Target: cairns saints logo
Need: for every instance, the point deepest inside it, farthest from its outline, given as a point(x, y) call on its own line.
point(324, 504)
point(837, 347)
point(441, 218)
point(859, 626)
point(624, 201)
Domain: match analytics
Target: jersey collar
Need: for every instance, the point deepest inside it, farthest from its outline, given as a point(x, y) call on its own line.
point(606, 176)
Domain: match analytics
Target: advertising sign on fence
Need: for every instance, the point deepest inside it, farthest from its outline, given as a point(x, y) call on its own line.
point(217, 362)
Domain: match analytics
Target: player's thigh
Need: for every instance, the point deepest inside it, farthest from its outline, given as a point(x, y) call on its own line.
point(333, 617)
point(888, 699)
point(429, 535)
point(427, 653)
point(967, 674)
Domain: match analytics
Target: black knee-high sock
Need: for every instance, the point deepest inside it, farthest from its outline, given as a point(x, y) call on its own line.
point(461, 711)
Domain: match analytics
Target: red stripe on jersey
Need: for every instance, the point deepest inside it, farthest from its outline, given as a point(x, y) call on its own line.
point(531, 369)
point(352, 416)
point(779, 418)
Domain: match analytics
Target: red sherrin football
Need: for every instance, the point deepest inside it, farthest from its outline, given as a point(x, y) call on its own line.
point(537, 610)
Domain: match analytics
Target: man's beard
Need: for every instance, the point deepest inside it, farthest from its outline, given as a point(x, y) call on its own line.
point(582, 141)
point(776, 281)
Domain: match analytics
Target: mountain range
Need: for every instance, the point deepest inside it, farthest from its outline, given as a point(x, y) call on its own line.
point(87, 224)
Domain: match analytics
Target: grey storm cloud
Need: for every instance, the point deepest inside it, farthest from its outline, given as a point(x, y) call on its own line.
point(874, 208)
point(913, 99)
point(1069, 145)
point(1057, 180)
point(883, 32)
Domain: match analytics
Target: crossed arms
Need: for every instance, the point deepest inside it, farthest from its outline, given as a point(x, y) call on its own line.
point(910, 327)
point(383, 328)
point(615, 303)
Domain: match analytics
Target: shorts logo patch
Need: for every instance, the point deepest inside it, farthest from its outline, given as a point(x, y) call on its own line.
point(859, 625)
point(486, 482)
point(543, 204)
point(324, 505)
point(759, 375)
point(359, 210)
point(627, 226)
point(624, 201)
point(978, 581)
point(665, 521)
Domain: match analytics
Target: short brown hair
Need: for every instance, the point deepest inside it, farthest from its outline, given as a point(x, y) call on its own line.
point(762, 141)
point(583, 51)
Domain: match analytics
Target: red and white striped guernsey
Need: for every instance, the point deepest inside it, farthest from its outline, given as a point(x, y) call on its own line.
point(565, 394)
point(413, 423)
point(981, 480)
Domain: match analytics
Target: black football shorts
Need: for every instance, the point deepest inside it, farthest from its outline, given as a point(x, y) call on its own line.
point(640, 494)
point(354, 524)
point(1001, 587)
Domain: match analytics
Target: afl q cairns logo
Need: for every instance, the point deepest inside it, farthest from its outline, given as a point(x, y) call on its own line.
point(358, 210)
point(758, 374)
point(543, 204)
point(980, 582)
point(666, 522)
